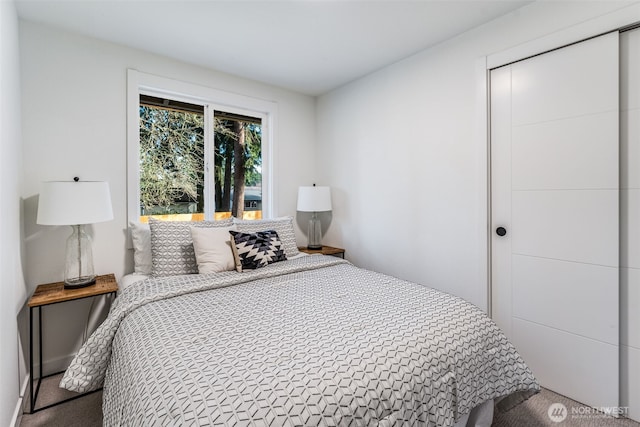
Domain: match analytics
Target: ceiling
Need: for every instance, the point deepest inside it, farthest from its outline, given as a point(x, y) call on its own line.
point(306, 46)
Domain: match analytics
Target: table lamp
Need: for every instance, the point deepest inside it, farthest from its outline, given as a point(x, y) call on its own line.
point(76, 203)
point(314, 199)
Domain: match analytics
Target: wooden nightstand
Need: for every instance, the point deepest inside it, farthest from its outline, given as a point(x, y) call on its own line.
point(326, 250)
point(54, 293)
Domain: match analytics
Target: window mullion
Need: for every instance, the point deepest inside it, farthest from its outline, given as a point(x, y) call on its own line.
point(209, 164)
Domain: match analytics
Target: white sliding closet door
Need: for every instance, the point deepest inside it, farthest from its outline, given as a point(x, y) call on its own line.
point(630, 222)
point(554, 173)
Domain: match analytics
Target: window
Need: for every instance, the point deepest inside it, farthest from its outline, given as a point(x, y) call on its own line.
point(192, 157)
point(173, 182)
point(238, 165)
point(171, 158)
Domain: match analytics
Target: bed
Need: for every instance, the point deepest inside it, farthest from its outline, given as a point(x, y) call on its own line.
point(310, 341)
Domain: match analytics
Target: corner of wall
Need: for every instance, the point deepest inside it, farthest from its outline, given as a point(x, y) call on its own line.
point(11, 275)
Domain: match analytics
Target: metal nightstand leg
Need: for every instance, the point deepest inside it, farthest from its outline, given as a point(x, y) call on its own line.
point(31, 360)
point(34, 394)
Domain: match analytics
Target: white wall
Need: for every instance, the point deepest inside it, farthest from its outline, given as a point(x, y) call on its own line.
point(11, 278)
point(74, 124)
point(404, 150)
point(399, 148)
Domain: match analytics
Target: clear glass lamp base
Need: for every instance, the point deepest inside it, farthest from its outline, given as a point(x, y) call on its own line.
point(79, 282)
point(314, 233)
point(78, 271)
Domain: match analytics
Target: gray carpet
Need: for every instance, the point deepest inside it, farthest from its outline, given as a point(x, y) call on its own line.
point(87, 411)
point(83, 412)
point(533, 412)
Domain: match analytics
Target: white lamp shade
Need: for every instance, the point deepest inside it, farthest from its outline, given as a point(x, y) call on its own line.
point(314, 199)
point(74, 203)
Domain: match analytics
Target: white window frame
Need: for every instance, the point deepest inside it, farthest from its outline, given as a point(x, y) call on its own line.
point(211, 99)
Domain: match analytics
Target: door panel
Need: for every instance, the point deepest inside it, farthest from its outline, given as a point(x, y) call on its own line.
point(555, 184)
point(629, 384)
point(543, 298)
point(629, 298)
point(630, 69)
point(501, 195)
point(567, 77)
point(572, 365)
point(572, 225)
point(630, 147)
point(587, 135)
point(630, 221)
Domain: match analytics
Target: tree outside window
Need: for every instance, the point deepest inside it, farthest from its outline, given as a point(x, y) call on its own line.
point(173, 181)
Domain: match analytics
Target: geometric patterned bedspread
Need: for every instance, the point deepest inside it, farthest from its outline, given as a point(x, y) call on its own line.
point(312, 341)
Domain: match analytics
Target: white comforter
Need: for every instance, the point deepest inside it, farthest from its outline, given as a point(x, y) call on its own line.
point(312, 341)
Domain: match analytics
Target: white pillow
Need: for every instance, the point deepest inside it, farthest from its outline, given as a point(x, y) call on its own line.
point(213, 249)
point(141, 237)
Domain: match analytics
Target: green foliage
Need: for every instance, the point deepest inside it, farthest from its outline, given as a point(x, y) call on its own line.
point(225, 140)
point(172, 160)
point(253, 154)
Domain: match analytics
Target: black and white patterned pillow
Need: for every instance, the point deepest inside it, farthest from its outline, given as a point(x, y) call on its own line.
point(283, 226)
point(172, 250)
point(255, 250)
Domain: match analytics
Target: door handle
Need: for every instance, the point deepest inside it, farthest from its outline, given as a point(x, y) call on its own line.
point(501, 231)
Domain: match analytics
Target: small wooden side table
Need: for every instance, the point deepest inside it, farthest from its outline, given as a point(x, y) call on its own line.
point(326, 250)
point(54, 293)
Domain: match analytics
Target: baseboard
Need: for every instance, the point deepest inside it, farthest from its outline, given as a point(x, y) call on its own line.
point(53, 365)
point(22, 402)
point(57, 364)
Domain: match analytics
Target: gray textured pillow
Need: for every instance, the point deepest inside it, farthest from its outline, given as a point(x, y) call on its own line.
point(283, 226)
point(172, 247)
